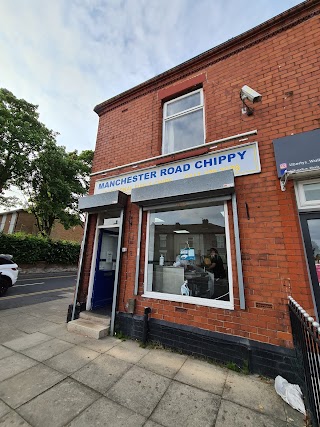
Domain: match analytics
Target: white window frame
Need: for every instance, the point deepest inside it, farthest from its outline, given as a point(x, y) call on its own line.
point(188, 299)
point(182, 113)
point(303, 204)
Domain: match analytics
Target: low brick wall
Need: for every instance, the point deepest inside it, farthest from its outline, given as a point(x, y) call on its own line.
point(43, 267)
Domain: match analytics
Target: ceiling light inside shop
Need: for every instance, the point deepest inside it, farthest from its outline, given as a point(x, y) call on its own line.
point(181, 231)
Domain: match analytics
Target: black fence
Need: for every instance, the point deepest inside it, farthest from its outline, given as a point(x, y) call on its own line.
point(306, 338)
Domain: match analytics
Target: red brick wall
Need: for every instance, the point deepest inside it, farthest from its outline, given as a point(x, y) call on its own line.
point(285, 70)
point(26, 223)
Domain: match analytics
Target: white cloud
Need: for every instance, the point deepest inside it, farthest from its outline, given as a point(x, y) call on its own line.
point(67, 56)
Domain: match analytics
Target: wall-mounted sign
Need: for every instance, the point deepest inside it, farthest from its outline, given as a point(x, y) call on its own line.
point(297, 153)
point(243, 159)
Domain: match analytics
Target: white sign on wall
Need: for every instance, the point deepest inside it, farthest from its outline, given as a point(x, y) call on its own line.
point(243, 159)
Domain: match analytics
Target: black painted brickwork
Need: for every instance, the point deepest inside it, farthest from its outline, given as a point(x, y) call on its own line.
point(263, 359)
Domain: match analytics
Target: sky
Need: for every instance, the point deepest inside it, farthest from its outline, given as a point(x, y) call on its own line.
point(69, 55)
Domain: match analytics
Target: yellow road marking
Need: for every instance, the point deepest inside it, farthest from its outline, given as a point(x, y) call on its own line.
point(36, 293)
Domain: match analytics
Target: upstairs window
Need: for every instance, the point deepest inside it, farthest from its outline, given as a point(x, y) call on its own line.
point(183, 122)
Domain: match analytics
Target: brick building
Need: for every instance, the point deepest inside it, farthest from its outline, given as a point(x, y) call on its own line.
point(21, 220)
point(195, 165)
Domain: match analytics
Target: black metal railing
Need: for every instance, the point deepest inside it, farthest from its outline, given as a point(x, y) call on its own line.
point(306, 338)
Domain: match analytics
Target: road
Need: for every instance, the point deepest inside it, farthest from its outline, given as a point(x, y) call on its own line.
point(36, 288)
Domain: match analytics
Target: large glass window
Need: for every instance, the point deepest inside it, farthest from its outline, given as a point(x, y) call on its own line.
point(183, 125)
point(187, 255)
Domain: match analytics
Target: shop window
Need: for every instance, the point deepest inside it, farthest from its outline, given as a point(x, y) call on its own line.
point(195, 266)
point(308, 194)
point(183, 122)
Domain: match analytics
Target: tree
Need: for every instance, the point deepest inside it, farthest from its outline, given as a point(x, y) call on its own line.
point(22, 137)
point(57, 180)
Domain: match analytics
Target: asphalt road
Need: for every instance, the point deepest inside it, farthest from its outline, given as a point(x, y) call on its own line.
point(36, 288)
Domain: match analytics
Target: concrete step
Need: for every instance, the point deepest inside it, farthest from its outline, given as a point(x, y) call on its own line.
point(95, 317)
point(88, 328)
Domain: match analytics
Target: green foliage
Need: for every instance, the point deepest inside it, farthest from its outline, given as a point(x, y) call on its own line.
point(234, 367)
point(30, 249)
point(53, 188)
point(22, 137)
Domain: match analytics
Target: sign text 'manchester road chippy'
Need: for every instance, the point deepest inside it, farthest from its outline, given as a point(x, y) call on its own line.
point(243, 159)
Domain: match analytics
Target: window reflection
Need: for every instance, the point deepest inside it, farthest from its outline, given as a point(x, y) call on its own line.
point(314, 229)
point(188, 254)
point(184, 132)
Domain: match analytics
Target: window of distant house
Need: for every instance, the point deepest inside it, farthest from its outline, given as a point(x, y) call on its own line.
point(188, 255)
point(183, 122)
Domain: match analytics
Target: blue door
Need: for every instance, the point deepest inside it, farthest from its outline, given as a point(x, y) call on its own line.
point(103, 285)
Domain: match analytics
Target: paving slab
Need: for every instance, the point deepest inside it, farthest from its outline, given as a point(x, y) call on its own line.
point(150, 423)
point(48, 349)
point(102, 345)
point(293, 417)
point(201, 374)
point(21, 388)
point(27, 341)
point(105, 412)
point(162, 362)
point(13, 420)
point(186, 406)
point(255, 393)
point(8, 333)
point(11, 311)
point(102, 372)
point(59, 405)
point(233, 415)
point(13, 365)
point(71, 360)
point(27, 323)
point(60, 331)
point(5, 352)
point(139, 390)
point(130, 351)
point(4, 409)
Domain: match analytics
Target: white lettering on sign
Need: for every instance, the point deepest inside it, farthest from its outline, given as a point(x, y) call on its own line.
point(243, 159)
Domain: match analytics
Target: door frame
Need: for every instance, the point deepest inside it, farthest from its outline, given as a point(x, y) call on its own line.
point(314, 282)
point(118, 226)
point(102, 231)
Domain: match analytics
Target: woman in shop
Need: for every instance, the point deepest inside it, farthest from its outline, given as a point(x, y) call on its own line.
point(216, 265)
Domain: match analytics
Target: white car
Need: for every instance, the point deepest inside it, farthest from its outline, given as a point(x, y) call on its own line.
point(8, 273)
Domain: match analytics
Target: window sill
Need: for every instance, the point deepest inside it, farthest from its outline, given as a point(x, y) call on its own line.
point(190, 300)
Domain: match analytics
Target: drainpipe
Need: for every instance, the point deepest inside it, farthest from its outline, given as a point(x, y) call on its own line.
point(136, 280)
point(147, 311)
point(80, 266)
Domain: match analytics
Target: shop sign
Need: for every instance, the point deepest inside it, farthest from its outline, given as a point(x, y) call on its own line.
point(243, 159)
point(297, 153)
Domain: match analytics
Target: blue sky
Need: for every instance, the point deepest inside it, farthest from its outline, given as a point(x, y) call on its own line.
point(69, 55)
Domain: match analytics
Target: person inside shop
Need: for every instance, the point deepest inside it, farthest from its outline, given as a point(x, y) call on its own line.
point(216, 265)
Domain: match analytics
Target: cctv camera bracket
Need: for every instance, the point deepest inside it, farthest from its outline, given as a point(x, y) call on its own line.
point(248, 110)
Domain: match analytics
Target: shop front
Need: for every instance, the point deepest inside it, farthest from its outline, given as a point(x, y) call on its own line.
point(188, 246)
point(298, 159)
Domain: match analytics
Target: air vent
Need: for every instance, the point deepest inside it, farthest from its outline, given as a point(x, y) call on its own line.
point(264, 305)
point(181, 309)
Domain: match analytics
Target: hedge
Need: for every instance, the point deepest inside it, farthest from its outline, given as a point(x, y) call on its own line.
point(30, 249)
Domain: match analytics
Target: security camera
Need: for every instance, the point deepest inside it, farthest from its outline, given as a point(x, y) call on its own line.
point(248, 93)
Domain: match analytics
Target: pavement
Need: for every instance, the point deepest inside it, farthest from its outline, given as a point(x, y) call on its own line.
point(51, 377)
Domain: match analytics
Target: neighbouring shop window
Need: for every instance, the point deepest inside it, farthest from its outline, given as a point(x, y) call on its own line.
point(308, 194)
point(195, 263)
point(183, 123)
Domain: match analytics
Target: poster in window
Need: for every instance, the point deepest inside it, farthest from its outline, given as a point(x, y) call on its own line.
point(187, 254)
